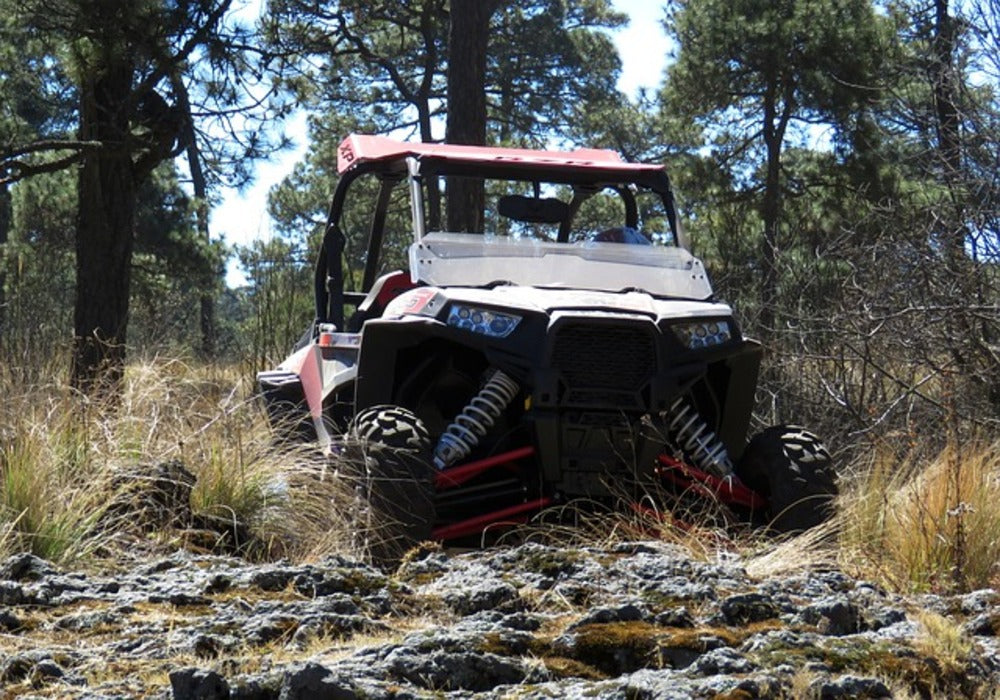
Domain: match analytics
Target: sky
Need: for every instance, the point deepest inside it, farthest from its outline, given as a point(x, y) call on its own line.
point(242, 216)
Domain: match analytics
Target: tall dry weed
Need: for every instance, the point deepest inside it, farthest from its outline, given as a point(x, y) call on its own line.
point(65, 458)
point(925, 522)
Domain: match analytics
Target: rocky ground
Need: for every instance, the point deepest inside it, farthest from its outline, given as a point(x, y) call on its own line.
point(640, 620)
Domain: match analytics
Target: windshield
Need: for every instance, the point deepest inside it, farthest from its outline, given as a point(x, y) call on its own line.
point(471, 259)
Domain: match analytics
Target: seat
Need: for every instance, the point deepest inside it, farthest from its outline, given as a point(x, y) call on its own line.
point(386, 288)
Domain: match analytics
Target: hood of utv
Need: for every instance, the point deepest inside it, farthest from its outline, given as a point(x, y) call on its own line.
point(547, 301)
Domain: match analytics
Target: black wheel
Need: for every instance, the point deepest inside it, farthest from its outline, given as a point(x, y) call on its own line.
point(790, 467)
point(392, 452)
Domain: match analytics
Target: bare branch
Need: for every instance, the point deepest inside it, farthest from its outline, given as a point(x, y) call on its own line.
point(50, 145)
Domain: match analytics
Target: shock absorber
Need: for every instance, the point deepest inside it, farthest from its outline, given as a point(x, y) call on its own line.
point(689, 432)
point(462, 436)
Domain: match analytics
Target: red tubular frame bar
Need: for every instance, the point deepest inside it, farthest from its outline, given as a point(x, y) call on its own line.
point(730, 491)
point(456, 476)
point(473, 526)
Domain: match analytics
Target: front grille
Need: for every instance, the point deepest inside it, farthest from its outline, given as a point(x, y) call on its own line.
point(619, 358)
point(603, 397)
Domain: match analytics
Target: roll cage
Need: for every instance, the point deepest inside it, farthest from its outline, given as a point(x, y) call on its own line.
point(586, 171)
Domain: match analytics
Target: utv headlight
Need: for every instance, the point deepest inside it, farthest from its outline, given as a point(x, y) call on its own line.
point(483, 321)
point(703, 334)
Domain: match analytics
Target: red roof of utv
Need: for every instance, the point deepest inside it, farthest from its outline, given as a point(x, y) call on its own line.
point(357, 148)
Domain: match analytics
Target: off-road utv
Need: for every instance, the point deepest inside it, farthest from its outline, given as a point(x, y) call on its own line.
point(570, 347)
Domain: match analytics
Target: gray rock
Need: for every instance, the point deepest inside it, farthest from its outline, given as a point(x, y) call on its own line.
point(834, 616)
point(219, 583)
point(209, 646)
point(723, 660)
point(17, 594)
point(315, 682)
point(644, 615)
point(983, 625)
point(198, 684)
point(629, 612)
point(478, 596)
point(25, 567)
point(162, 565)
point(683, 655)
point(276, 579)
point(253, 689)
point(879, 617)
point(978, 601)
point(761, 685)
point(179, 599)
point(681, 590)
point(675, 617)
point(677, 657)
point(837, 581)
point(781, 639)
point(852, 687)
point(78, 622)
point(425, 569)
point(442, 670)
point(260, 630)
point(742, 609)
point(340, 603)
point(648, 684)
point(333, 625)
point(9, 622)
point(317, 583)
point(16, 668)
point(522, 621)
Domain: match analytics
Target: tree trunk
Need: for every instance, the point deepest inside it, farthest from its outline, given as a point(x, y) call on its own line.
point(949, 139)
point(6, 218)
point(468, 36)
point(948, 129)
point(433, 188)
point(208, 286)
point(779, 105)
point(972, 335)
point(771, 215)
point(430, 27)
point(770, 212)
point(104, 235)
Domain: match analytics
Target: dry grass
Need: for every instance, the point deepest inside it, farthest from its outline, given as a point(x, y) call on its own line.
point(942, 639)
point(925, 524)
point(912, 523)
point(52, 484)
point(705, 529)
point(64, 458)
point(815, 549)
point(802, 685)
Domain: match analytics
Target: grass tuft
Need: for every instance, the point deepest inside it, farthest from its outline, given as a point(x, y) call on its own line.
point(942, 639)
point(51, 489)
point(71, 468)
point(814, 549)
point(925, 523)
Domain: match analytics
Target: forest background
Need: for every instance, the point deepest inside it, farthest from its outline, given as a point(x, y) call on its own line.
point(837, 164)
